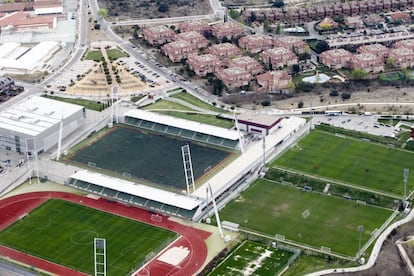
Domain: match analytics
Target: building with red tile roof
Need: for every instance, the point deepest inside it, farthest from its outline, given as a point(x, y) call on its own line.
point(278, 57)
point(234, 77)
point(274, 80)
point(204, 64)
point(158, 35)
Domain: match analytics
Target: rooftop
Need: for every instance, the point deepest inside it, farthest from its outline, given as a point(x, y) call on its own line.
point(34, 115)
point(184, 124)
point(140, 190)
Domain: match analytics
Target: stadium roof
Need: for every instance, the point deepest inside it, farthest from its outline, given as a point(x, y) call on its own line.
point(184, 124)
point(34, 115)
point(261, 119)
point(140, 190)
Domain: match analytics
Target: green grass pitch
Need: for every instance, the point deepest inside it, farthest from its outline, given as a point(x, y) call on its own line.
point(151, 157)
point(63, 232)
point(247, 255)
point(356, 162)
point(276, 209)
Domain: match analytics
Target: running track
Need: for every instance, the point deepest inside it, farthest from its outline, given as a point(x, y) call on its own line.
point(194, 239)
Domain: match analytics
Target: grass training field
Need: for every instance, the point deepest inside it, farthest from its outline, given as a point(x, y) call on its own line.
point(352, 161)
point(153, 158)
point(256, 258)
point(63, 233)
point(333, 222)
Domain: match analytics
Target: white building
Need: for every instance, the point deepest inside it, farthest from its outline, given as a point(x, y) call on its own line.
point(34, 124)
point(258, 123)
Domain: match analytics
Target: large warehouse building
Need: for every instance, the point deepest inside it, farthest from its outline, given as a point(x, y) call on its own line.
point(33, 125)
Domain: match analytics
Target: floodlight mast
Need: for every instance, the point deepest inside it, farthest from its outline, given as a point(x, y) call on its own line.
point(60, 140)
point(360, 230)
point(216, 212)
point(264, 148)
point(406, 171)
point(236, 122)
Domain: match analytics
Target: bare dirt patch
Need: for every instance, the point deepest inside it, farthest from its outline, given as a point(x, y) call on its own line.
point(145, 9)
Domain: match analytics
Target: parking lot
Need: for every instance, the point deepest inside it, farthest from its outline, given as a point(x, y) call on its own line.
point(140, 70)
point(368, 124)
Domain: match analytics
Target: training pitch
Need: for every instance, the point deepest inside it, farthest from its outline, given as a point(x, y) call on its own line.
point(63, 232)
point(149, 157)
point(305, 217)
point(352, 161)
point(252, 258)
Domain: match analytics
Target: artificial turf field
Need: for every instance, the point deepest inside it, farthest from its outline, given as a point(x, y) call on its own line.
point(63, 232)
point(272, 260)
point(333, 222)
point(154, 158)
point(352, 161)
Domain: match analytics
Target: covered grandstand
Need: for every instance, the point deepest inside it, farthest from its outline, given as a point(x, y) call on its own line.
point(139, 195)
point(191, 130)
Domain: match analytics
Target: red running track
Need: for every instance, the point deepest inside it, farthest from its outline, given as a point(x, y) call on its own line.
point(194, 239)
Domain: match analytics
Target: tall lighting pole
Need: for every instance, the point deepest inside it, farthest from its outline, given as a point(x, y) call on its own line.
point(360, 230)
point(406, 171)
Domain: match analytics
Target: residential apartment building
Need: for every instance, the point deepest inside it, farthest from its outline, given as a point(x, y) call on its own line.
point(226, 30)
point(224, 50)
point(293, 43)
point(158, 35)
point(247, 63)
point(274, 80)
point(402, 57)
point(178, 50)
point(409, 44)
point(194, 38)
point(196, 26)
point(204, 64)
point(278, 57)
point(255, 43)
point(378, 50)
point(234, 77)
point(368, 62)
point(336, 58)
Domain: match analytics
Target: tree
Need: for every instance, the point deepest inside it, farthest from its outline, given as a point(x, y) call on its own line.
point(103, 13)
point(234, 14)
point(163, 7)
point(266, 25)
point(359, 74)
point(278, 28)
point(295, 68)
point(217, 87)
point(321, 46)
point(97, 26)
point(278, 3)
point(345, 96)
point(266, 103)
point(390, 63)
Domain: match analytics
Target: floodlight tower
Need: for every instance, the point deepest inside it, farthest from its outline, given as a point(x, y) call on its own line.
point(406, 171)
point(236, 122)
point(216, 212)
point(360, 230)
point(264, 148)
point(188, 168)
point(114, 117)
point(99, 248)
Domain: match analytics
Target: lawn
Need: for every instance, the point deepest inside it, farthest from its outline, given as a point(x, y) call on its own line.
point(259, 259)
point(201, 118)
point(166, 105)
point(349, 160)
point(92, 105)
point(95, 55)
point(114, 54)
point(63, 233)
point(276, 209)
point(197, 102)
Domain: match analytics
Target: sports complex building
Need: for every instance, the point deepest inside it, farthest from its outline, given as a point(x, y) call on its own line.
point(33, 124)
point(226, 181)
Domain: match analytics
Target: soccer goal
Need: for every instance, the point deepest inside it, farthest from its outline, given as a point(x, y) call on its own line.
point(306, 213)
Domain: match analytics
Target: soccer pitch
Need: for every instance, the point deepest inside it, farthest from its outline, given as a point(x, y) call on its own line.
point(63, 232)
point(332, 221)
point(352, 161)
point(150, 157)
point(256, 258)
